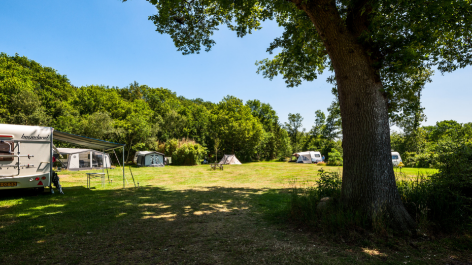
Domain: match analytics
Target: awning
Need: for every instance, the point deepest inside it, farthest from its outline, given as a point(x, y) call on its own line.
point(85, 141)
point(69, 151)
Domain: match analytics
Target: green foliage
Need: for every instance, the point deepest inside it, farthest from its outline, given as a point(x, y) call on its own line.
point(443, 201)
point(264, 113)
point(285, 148)
point(455, 165)
point(171, 146)
point(319, 124)
point(21, 90)
point(423, 147)
point(331, 130)
point(293, 127)
point(304, 201)
point(335, 158)
point(188, 153)
point(239, 132)
point(422, 160)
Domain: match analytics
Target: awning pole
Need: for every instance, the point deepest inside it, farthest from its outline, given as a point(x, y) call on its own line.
point(123, 167)
point(117, 160)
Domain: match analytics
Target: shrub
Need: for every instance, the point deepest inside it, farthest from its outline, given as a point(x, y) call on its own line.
point(171, 146)
point(335, 158)
point(184, 152)
point(444, 200)
point(304, 201)
point(427, 159)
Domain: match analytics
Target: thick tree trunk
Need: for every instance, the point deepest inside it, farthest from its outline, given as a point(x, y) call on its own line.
point(368, 178)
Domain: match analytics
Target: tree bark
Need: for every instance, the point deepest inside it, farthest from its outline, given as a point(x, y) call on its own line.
point(368, 179)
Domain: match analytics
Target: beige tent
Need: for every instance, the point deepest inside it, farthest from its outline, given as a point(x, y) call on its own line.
point(230, 160)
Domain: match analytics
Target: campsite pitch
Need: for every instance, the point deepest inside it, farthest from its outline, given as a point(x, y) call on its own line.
point(190, 215)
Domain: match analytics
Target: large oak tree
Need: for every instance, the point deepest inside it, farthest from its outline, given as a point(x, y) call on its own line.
point(378, 50)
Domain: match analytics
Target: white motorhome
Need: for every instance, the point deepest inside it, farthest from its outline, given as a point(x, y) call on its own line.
point(396, 158)
point(26, 157)
point(309, 157)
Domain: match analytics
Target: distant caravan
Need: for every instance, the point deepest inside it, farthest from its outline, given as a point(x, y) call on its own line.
point(396, 159)
point(308, 157)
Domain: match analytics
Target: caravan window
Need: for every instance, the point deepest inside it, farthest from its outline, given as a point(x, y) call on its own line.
point(394, 157)
point(317, 155)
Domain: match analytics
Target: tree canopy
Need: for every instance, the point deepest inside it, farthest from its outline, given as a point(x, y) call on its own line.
point(404, 39)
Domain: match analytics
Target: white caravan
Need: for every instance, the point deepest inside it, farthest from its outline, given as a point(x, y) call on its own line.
point(396, 158)
point(309, 157)
point(26, 157)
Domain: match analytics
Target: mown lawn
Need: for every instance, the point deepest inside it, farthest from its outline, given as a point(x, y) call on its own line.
point(192, 215)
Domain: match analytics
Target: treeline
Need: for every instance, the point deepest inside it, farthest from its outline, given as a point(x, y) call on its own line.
point(423, 146)
point(147, 118)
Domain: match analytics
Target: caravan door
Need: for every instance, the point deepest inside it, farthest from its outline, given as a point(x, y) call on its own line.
point(155, 159)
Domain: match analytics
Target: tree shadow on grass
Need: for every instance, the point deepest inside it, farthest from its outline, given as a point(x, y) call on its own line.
point(205, 225)
point(148, 225)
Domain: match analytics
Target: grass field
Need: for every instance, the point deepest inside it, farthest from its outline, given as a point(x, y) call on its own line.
point(192, 215)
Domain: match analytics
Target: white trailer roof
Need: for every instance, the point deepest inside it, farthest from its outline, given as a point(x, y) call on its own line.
point(306, 152)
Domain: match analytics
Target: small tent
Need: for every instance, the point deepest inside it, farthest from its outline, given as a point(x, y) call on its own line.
point(75, 159)
point(229, 160)
point(149, 159)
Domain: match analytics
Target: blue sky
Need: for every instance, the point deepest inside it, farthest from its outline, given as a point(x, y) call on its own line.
point(112, 43)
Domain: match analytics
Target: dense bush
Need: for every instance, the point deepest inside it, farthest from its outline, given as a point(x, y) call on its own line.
point(304, 200)
point(422, 160)
point(187, 153)
point(444, 200)
point(335, 158)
